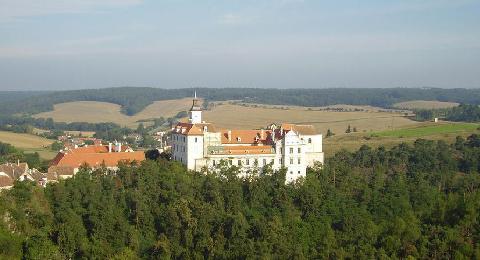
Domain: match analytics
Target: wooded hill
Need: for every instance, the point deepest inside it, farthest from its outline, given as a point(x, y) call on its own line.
point(134, 100)
point(413, 201)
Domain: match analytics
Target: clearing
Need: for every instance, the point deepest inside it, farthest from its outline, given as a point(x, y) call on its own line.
point(423, 104)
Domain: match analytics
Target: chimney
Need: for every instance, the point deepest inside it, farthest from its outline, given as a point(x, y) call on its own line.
point(229, 135)
point(262, 134)
point(109, 147)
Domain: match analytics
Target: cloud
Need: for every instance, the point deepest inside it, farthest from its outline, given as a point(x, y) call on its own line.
point(12, 9)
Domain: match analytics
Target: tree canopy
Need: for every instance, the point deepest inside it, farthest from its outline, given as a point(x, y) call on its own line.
point(411, 201)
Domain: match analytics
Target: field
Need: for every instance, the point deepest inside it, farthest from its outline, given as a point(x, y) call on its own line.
point(432, 131)
point(28, 143)
point(228, 115)
point(422, 104)
point(248, 117)
point(98, 112)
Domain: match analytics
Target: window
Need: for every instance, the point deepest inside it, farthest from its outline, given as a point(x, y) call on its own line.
point(272, 161)
point(309, 140)
point(264, 161)
point(256, 161)
point(239, 162)
point(291, 160)
point(197, 140)
point(280, 161)
point(214, 163)
point(230, 162)
point(299, 150)
point(299, 161)
point(247, 162)
point(298, 172)
point(291, 149)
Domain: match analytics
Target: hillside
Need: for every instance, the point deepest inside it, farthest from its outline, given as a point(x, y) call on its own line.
point(240, 116)
point(98, 112)
point(423, 104)
point(133, 100)
point(29, 143)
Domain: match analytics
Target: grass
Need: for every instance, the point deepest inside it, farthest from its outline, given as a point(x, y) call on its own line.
point(444, 131)
point(427, 130)
point(423, 104)
point(29, 143)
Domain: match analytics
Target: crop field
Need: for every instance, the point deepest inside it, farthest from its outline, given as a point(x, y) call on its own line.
point(248, 117)
point(227, 115)
point(29, 143)
point(423, 104)
point(98, 112)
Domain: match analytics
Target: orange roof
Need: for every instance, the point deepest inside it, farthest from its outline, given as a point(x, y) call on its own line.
point(244, 149)
point(193, 129)
point(302, 129)
point(95, 156)
point(246, 136)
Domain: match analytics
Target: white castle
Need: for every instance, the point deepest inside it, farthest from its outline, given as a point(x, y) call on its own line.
point(199, 145)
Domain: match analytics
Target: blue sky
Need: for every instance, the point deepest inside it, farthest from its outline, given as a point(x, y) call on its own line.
point(54, 44)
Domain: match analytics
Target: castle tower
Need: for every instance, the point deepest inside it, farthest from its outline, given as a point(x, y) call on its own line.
point(195, 113)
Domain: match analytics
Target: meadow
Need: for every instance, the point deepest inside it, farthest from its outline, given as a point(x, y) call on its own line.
point(445, 131)
point(29, 143)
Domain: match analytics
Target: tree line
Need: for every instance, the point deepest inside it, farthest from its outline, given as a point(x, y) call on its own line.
point(461, 113)
point(133, 100)
point(416, 200)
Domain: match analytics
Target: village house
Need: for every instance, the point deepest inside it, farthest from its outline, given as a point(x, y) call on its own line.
point(200, 145)
point(68, 162)
point(10, 172)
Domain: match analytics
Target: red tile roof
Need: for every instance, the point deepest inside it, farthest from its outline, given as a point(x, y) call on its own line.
point(95, 156)
point(245, 149)
point(246, 136)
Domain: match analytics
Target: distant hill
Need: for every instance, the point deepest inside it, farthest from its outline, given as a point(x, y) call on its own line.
point(133, 100)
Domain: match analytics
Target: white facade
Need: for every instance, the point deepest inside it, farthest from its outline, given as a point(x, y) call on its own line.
point(197, 145)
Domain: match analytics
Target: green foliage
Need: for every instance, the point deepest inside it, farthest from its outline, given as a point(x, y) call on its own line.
point(464, 113)
point(329, 133)
point(56, 146)
point(181, 114)
point(412, 201)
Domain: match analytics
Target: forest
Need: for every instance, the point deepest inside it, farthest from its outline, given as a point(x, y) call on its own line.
point(418, 200)
point(133, 100)
point(461, 113)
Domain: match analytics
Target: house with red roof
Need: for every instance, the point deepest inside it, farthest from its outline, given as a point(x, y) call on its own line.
point(201, 145)
point(68, 162)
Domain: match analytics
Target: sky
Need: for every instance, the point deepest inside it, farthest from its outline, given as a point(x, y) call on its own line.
point(75, 44)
